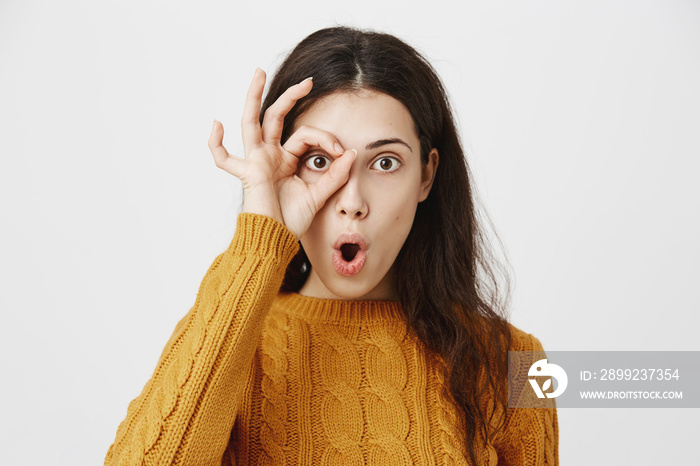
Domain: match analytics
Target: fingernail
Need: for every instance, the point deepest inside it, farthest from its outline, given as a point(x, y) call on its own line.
point(310, 77)
point(355, 150)
point(338, 148)
point(214, 124)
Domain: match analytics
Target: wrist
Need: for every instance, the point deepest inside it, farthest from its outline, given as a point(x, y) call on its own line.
point(262, 200)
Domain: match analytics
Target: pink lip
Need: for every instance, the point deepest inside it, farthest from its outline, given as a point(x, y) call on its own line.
point(356, 238)
point(343, 267)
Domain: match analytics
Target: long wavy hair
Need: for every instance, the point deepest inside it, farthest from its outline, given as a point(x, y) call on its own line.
point(447, 275)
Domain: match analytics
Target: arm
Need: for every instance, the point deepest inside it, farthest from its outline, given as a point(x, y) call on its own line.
point(185, 413)
point(530, 436)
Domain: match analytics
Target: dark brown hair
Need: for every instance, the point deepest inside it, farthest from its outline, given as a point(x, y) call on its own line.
point(447, 277)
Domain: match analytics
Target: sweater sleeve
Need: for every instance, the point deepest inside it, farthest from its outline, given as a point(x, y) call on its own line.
point(185, 412)
point(530, 436)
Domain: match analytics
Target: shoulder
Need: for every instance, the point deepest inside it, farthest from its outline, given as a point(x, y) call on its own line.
point(520, 339)
point(523, 341)
point(531, 433)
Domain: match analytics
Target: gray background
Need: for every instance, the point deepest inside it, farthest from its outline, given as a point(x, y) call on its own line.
point(580, 120)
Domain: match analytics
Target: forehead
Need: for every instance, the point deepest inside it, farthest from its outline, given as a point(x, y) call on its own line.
point(360, 116)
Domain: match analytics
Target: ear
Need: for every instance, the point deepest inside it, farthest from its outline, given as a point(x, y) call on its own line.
point(428, 172)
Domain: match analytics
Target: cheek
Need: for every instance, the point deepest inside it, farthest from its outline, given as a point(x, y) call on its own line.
point(407, 189)
point(397, 203)
point(397, 213)
point(314, 240)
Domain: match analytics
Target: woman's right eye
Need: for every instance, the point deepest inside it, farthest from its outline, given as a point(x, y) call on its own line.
point(318, 162)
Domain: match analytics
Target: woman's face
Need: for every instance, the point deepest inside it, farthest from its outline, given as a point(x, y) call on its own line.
point(354, 239)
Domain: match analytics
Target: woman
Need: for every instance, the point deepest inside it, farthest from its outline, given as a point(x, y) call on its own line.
point(347, 322)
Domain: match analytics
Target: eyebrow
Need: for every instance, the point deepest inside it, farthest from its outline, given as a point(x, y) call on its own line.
point(384, 142)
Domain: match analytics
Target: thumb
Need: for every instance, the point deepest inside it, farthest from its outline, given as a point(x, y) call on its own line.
point(336, 176)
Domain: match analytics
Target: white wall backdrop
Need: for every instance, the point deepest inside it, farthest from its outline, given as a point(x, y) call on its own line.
point(581, 121)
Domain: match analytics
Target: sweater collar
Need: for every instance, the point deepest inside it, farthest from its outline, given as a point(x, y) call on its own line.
point(339, 310)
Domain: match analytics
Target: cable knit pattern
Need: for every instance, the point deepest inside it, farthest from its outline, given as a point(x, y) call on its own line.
point(165, 396)
point(250, 376)
point(551, 432)
point(304, 393)
point(388, 422)
point(448, 418)
point(185, 413)
point(274, 391)
point(341, 410)
point(530, 435)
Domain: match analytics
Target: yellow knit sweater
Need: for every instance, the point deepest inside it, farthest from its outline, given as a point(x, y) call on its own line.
point(253, 377)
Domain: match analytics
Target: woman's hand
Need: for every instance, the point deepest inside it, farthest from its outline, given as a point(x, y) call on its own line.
point(268, 172)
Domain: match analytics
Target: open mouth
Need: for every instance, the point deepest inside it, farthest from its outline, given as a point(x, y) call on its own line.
point(349, 251)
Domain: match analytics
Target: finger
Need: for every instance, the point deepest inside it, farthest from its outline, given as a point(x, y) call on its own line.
point(336, 176)
point(273, 121)
point(308, 136)
point(250, 122)
point(222, 158)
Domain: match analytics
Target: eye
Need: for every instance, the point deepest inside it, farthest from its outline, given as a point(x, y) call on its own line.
point(317, 163)
point(386, 164)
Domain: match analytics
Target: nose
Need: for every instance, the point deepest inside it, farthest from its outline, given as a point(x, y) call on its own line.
point(350, 201)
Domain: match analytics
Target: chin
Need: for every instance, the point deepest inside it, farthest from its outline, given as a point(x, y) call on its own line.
point(357, 289)
point(369, 284)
